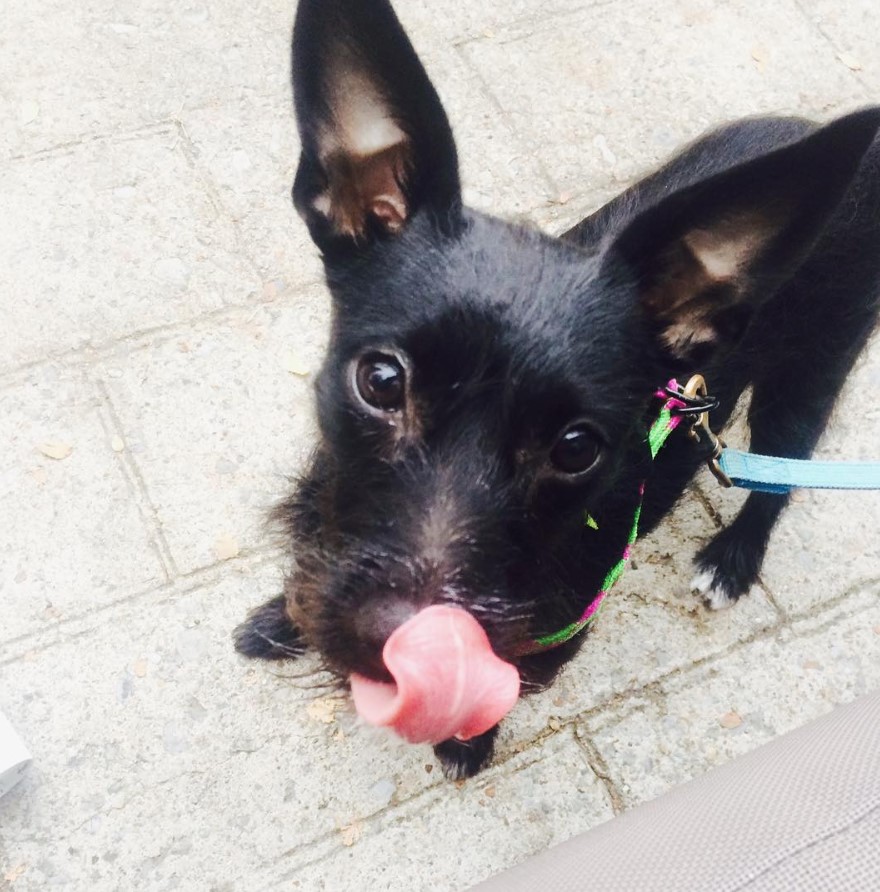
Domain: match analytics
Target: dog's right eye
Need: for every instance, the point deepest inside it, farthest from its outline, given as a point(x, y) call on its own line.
point(381, 382)
point(576, 450)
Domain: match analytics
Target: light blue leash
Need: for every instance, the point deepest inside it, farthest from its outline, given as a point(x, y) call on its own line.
point(767, 473)
point(764, 473)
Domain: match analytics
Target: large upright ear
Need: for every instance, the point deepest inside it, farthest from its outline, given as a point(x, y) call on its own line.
point(706, 256)
point(376, 143)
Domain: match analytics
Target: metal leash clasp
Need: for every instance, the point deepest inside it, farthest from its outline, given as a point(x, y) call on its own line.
point(699, 404)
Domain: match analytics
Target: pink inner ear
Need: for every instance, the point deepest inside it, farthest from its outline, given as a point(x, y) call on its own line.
point(363, 185)
point(448, 682)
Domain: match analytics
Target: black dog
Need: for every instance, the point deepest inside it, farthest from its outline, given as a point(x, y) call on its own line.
point(486, 385)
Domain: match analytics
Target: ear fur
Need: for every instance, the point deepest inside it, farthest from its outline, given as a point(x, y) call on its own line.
point(705, 256)
point(376, 143)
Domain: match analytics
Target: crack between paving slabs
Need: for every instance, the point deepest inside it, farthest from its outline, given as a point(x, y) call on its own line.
point(113, 426)
point(145, 338)
point(819, 28)
point(653, 692)
point(403, 809)
point(182, 586)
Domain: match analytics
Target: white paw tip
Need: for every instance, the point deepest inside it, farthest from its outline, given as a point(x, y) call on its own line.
point(702, 582)
point(718, 599)
point(716, 596)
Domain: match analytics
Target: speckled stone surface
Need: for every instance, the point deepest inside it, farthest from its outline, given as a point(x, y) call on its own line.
point(162, 315)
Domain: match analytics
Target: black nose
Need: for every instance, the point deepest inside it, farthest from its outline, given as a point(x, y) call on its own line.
point(373, 624)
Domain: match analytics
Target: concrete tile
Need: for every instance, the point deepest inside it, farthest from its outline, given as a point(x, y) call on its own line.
point(650, 626)
point(104, 66)
point(728, 706)
point(824, 546)
point(73, 537)
point(250, 150)
point(852, 28)
point(605, 93)
point(536, 800)
point(216, 422)
point(499, 171)
point(459, 21)
point(107, 238)
point(162, 760)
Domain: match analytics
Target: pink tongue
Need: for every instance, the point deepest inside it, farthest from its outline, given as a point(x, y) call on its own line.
point(449, 683)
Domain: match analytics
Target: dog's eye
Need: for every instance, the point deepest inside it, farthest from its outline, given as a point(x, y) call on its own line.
point(577, 450)
point(380, 381)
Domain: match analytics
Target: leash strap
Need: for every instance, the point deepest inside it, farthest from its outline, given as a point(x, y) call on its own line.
point(767, 473)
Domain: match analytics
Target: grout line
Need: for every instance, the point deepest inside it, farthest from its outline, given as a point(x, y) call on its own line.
point(146, 508)
point(768, 592)
point(600, 768)
point(522, 29)
point(548, 182)
point(147, 338)
point(191, 156)
point(707, 504)
point(827, 613)
point(164, 125)
point(81, 624)
point(819, 28)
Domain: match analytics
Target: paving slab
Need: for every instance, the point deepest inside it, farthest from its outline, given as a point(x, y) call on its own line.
point(535, 800)
point(609, 92)
point(459, 22)
point(852, 29)
point(107, 238)
point(213, 470)
point(163, 760)
point(249, 149)
point(103, 66)
point(75, 537)
point(725, 707)
point(499, 171)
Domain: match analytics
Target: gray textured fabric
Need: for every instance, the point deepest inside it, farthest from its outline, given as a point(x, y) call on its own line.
point(799, 814)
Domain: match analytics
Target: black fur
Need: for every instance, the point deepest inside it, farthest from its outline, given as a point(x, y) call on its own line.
point(752, 257)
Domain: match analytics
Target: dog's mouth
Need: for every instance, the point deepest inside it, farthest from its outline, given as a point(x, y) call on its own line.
point(447, 680)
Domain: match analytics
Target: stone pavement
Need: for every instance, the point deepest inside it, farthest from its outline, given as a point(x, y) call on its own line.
point(160, 313)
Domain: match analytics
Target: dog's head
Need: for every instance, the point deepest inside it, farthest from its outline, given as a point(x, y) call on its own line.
point(486, 386)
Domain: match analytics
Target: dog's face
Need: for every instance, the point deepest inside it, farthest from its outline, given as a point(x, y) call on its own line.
point(487, 386)
point(473, 405)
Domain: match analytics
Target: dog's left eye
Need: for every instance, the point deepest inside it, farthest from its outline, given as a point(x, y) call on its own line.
point(577, 449)
point(380, 382)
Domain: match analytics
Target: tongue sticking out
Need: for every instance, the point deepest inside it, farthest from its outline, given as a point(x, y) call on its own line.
point(448, 681)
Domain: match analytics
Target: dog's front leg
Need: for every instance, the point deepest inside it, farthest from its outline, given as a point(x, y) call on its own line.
point(269, 634)
point(788, 413)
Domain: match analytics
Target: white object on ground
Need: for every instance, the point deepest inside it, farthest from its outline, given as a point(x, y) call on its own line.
point(14, 757)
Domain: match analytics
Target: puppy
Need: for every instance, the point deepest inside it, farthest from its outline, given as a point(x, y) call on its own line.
point(485, 401)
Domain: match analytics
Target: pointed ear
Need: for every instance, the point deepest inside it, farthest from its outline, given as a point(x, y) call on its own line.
point(706, 256)
point(376, 143)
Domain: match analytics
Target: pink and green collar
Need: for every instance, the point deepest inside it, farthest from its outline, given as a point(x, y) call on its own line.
point(667, 421)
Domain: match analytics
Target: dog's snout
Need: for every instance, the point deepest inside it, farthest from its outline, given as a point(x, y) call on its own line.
point(373, 625)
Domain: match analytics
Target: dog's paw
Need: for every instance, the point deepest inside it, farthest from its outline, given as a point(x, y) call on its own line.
point(716, 594)
point(727, 568)
point(268, 633)
point(461, 759)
